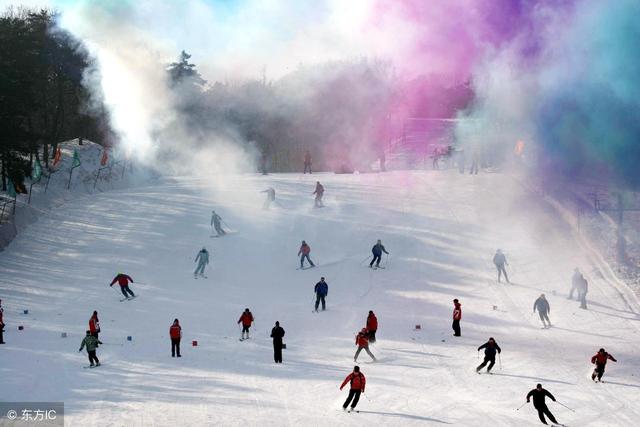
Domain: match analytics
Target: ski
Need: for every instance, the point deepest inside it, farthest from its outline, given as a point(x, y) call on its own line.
point(127, 299)
point(91, 366)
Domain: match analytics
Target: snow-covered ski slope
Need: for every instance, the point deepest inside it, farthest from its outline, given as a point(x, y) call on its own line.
point(441, 228)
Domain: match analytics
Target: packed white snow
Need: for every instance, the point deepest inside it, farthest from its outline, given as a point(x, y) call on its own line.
point(441, 229)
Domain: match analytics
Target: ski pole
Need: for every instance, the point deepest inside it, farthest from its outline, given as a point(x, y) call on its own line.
point(367, 397)
point(366, 258)
point(565, 406)
point(478, 354)
point(521, 406)
point(500, 360)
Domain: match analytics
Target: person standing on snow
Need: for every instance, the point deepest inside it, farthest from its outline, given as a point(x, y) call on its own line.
point(356, 382)
point(216, 222)
point(123, 280)
point(377, 250)
point(600, 360)
point(264, 159)
point(538, 395)
point(500, 261)
point(1, 323)
point(576, 280)
point(246, 318)
point(271, 197)
point(322, 290)
point(319, 192)
point(583, 288)
point(542, 305)
point(304, 253)
point(475, 160)
point(490, 348)
point(92, 344)
point(307, 162)
point(277, 333)
point(94, 325)
point(372, 327)
point(202, 259)
point(175, 334)
point(362, 341)
point(457, 316)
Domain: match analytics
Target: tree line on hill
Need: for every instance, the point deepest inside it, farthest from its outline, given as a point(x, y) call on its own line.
point(42, 97)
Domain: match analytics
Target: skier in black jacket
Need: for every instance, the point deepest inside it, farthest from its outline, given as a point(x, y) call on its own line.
point(542, 305)
point(377, 250)
point(490, 348)
point(277, 333)
point(538, 395)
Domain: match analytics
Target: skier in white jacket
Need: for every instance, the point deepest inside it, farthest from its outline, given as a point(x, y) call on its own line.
point(202, 259)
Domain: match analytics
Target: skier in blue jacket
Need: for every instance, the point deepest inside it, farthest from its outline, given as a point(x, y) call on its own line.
point(322, 290)
point(202, 259)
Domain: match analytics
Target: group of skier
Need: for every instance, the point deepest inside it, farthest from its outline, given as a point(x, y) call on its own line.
point(579, 284)
point(366, 335)
point(271, 196)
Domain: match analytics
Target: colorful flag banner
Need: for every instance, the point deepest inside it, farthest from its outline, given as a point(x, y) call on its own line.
point(105, 158)
point(76, 159)
point(57, 157)
point(36, 172)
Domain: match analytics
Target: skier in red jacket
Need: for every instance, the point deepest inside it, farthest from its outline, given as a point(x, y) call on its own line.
point(304, 253)
point(123, 280)
point(362, 341)
point(94, 324)
point(372, 326)
point(357, 382)
point(457, 315)
point(246, 319)
point(175, 333)
point(600, 360)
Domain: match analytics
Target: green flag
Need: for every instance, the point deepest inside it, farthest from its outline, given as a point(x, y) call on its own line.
point(36, 172)
point(76, 159)
point(11, 190)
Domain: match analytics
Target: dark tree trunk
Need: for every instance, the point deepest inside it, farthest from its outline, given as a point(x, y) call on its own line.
point(4, 170)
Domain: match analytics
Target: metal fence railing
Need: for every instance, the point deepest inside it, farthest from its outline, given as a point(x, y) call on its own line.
point(7, 208)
